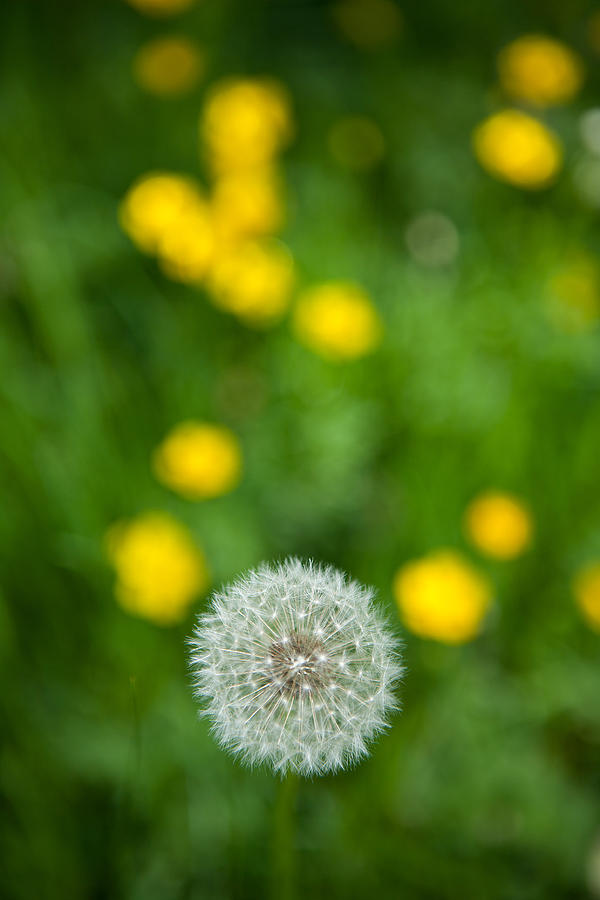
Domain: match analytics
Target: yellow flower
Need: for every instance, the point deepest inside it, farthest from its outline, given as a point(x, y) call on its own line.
point(442, 597)
point(516, 148)
point(246, 203)
point(159, 568)
point(499, 524)
point(356, 143)
point(199, 460)
point(586, 588)
point(539, 70)
point(168, 66)
point(253, 280)
point(186, 247)
point(337, 320)
point(368, 23)
point(155, 205)
point(576, 290)
point(161, 7)
point(245, 123)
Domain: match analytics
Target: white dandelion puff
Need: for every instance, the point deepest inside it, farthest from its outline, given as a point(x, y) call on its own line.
point(295, 667)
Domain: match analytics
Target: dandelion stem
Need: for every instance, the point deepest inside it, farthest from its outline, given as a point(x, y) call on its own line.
point(283, 867)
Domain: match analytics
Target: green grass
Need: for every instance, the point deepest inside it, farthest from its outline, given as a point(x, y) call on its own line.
point(488, 785)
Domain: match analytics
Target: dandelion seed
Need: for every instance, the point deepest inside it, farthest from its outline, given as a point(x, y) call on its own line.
point(295, 667)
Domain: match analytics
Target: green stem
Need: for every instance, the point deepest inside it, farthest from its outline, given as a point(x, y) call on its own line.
point(283, 867)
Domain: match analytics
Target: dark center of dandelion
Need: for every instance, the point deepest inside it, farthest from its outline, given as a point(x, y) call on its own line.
point(298, 664)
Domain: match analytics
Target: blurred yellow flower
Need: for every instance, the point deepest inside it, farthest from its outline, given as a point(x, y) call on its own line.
point(168, 66)
point(441, 596)
point(576, 291)
point(337, 320)
point(161, 7)
point(247, 202)
point(586, 588)
point(199, 460)
point(499, 524)
point(186, 247)
point(253, 280)
point(245, 123)
point(517, 148)
point(539, 70)
point(154, 206)
point(159, 568)
point(368, 23)
point(356, 143)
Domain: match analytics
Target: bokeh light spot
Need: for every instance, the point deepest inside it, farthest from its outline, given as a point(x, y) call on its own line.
point(589, 129)
point(432, 239)
point(161, 8)
point(369, 24)
point(168, 66)
point(575, 294)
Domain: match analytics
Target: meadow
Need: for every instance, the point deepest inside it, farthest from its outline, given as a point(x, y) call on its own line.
point(300, 278)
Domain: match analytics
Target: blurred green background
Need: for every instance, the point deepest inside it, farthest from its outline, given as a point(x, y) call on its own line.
point(488, 784)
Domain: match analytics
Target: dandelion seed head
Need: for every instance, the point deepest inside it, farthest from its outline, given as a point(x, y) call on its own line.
point(295, 668)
